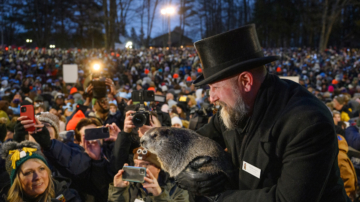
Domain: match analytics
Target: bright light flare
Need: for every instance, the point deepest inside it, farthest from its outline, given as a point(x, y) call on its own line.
point(129, 44)
point(168, 11)
point(96, 67)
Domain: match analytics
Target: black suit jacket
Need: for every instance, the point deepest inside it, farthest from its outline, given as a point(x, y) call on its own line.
point(289, 140)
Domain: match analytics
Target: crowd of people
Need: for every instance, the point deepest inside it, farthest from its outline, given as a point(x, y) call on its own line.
point(54, 163)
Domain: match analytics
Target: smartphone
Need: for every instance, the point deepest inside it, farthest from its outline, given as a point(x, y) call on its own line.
point(99, 89)
point(28, 110)
point(97, 133)
point(134, 174)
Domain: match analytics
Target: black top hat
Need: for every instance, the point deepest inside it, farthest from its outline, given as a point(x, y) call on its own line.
point(230, 53)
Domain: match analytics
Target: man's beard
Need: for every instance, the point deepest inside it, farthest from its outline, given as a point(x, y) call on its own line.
point(232, 116)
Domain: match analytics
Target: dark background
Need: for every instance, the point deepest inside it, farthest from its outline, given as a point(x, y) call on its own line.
point(98, 23)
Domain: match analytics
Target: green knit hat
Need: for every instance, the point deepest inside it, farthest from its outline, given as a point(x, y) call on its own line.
point(16, 154)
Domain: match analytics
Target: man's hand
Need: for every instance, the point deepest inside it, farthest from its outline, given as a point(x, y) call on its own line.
point(118, 181)
point(113, 131)
point(93, 149)
point(201, 183)
point(111, 85)
point(128, 124)
point(89, 95)
point(151, 184)
point(154, 122)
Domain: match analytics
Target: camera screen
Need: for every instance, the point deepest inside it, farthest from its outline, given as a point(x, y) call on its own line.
point(142, 96)
point(159, 98)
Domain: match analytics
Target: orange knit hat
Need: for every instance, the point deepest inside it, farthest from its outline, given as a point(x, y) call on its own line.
point(73, 90)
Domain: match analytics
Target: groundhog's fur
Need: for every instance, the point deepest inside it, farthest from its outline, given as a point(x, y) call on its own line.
point(177, 147)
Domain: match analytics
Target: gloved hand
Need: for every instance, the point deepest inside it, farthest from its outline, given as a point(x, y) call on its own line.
point(43, 138)
point(200, 183)
point(19, 132)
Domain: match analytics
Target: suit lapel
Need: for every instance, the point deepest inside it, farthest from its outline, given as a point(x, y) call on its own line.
point(260, 147)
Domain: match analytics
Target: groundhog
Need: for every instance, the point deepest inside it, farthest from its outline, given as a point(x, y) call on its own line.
point(177, 147)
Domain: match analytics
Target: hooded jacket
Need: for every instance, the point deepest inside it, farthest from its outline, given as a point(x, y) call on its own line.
point(347, 170)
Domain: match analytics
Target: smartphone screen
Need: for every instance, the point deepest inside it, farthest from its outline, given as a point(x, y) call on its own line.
point(97, 133)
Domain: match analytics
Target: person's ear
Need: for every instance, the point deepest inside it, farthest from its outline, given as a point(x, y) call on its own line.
point(245, 80)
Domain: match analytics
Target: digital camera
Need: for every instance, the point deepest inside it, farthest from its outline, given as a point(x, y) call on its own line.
point(141, 117)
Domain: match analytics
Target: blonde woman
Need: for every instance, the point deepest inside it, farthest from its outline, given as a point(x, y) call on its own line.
point(30, 176)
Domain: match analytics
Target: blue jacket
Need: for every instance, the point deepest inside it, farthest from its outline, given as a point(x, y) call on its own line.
point(73, 163)
point(352, 137)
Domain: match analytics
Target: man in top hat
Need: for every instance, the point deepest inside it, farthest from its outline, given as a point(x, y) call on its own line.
point(281, 138)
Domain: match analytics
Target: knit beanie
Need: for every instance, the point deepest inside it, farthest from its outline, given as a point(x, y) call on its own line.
point(141, 153)
point(71, 125)
point(177, 120)
point(50, 118)
point(73, 90)
point(15, 154)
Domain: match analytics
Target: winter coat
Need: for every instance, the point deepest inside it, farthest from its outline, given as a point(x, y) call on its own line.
point(61, 188)
point(124, 145)
point(352, 137)
point(346, 113)
point(347, 170)
point(170, 192)
point(78, 166)
point(116, 118)
point(286, 151)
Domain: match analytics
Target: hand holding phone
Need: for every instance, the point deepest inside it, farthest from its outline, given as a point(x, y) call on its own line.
point(28, 113)
point(118, 179)
point(134, 174)
point(151, 184)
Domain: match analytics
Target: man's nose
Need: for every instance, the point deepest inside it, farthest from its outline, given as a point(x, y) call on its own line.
point(213, 98)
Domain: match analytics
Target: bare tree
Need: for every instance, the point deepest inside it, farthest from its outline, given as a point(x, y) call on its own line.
point(332, 9)
point(150, 17)
point(124, 8)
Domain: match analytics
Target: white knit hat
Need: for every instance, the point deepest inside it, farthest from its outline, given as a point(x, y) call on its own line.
point(50, 118)
point(175, 120)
